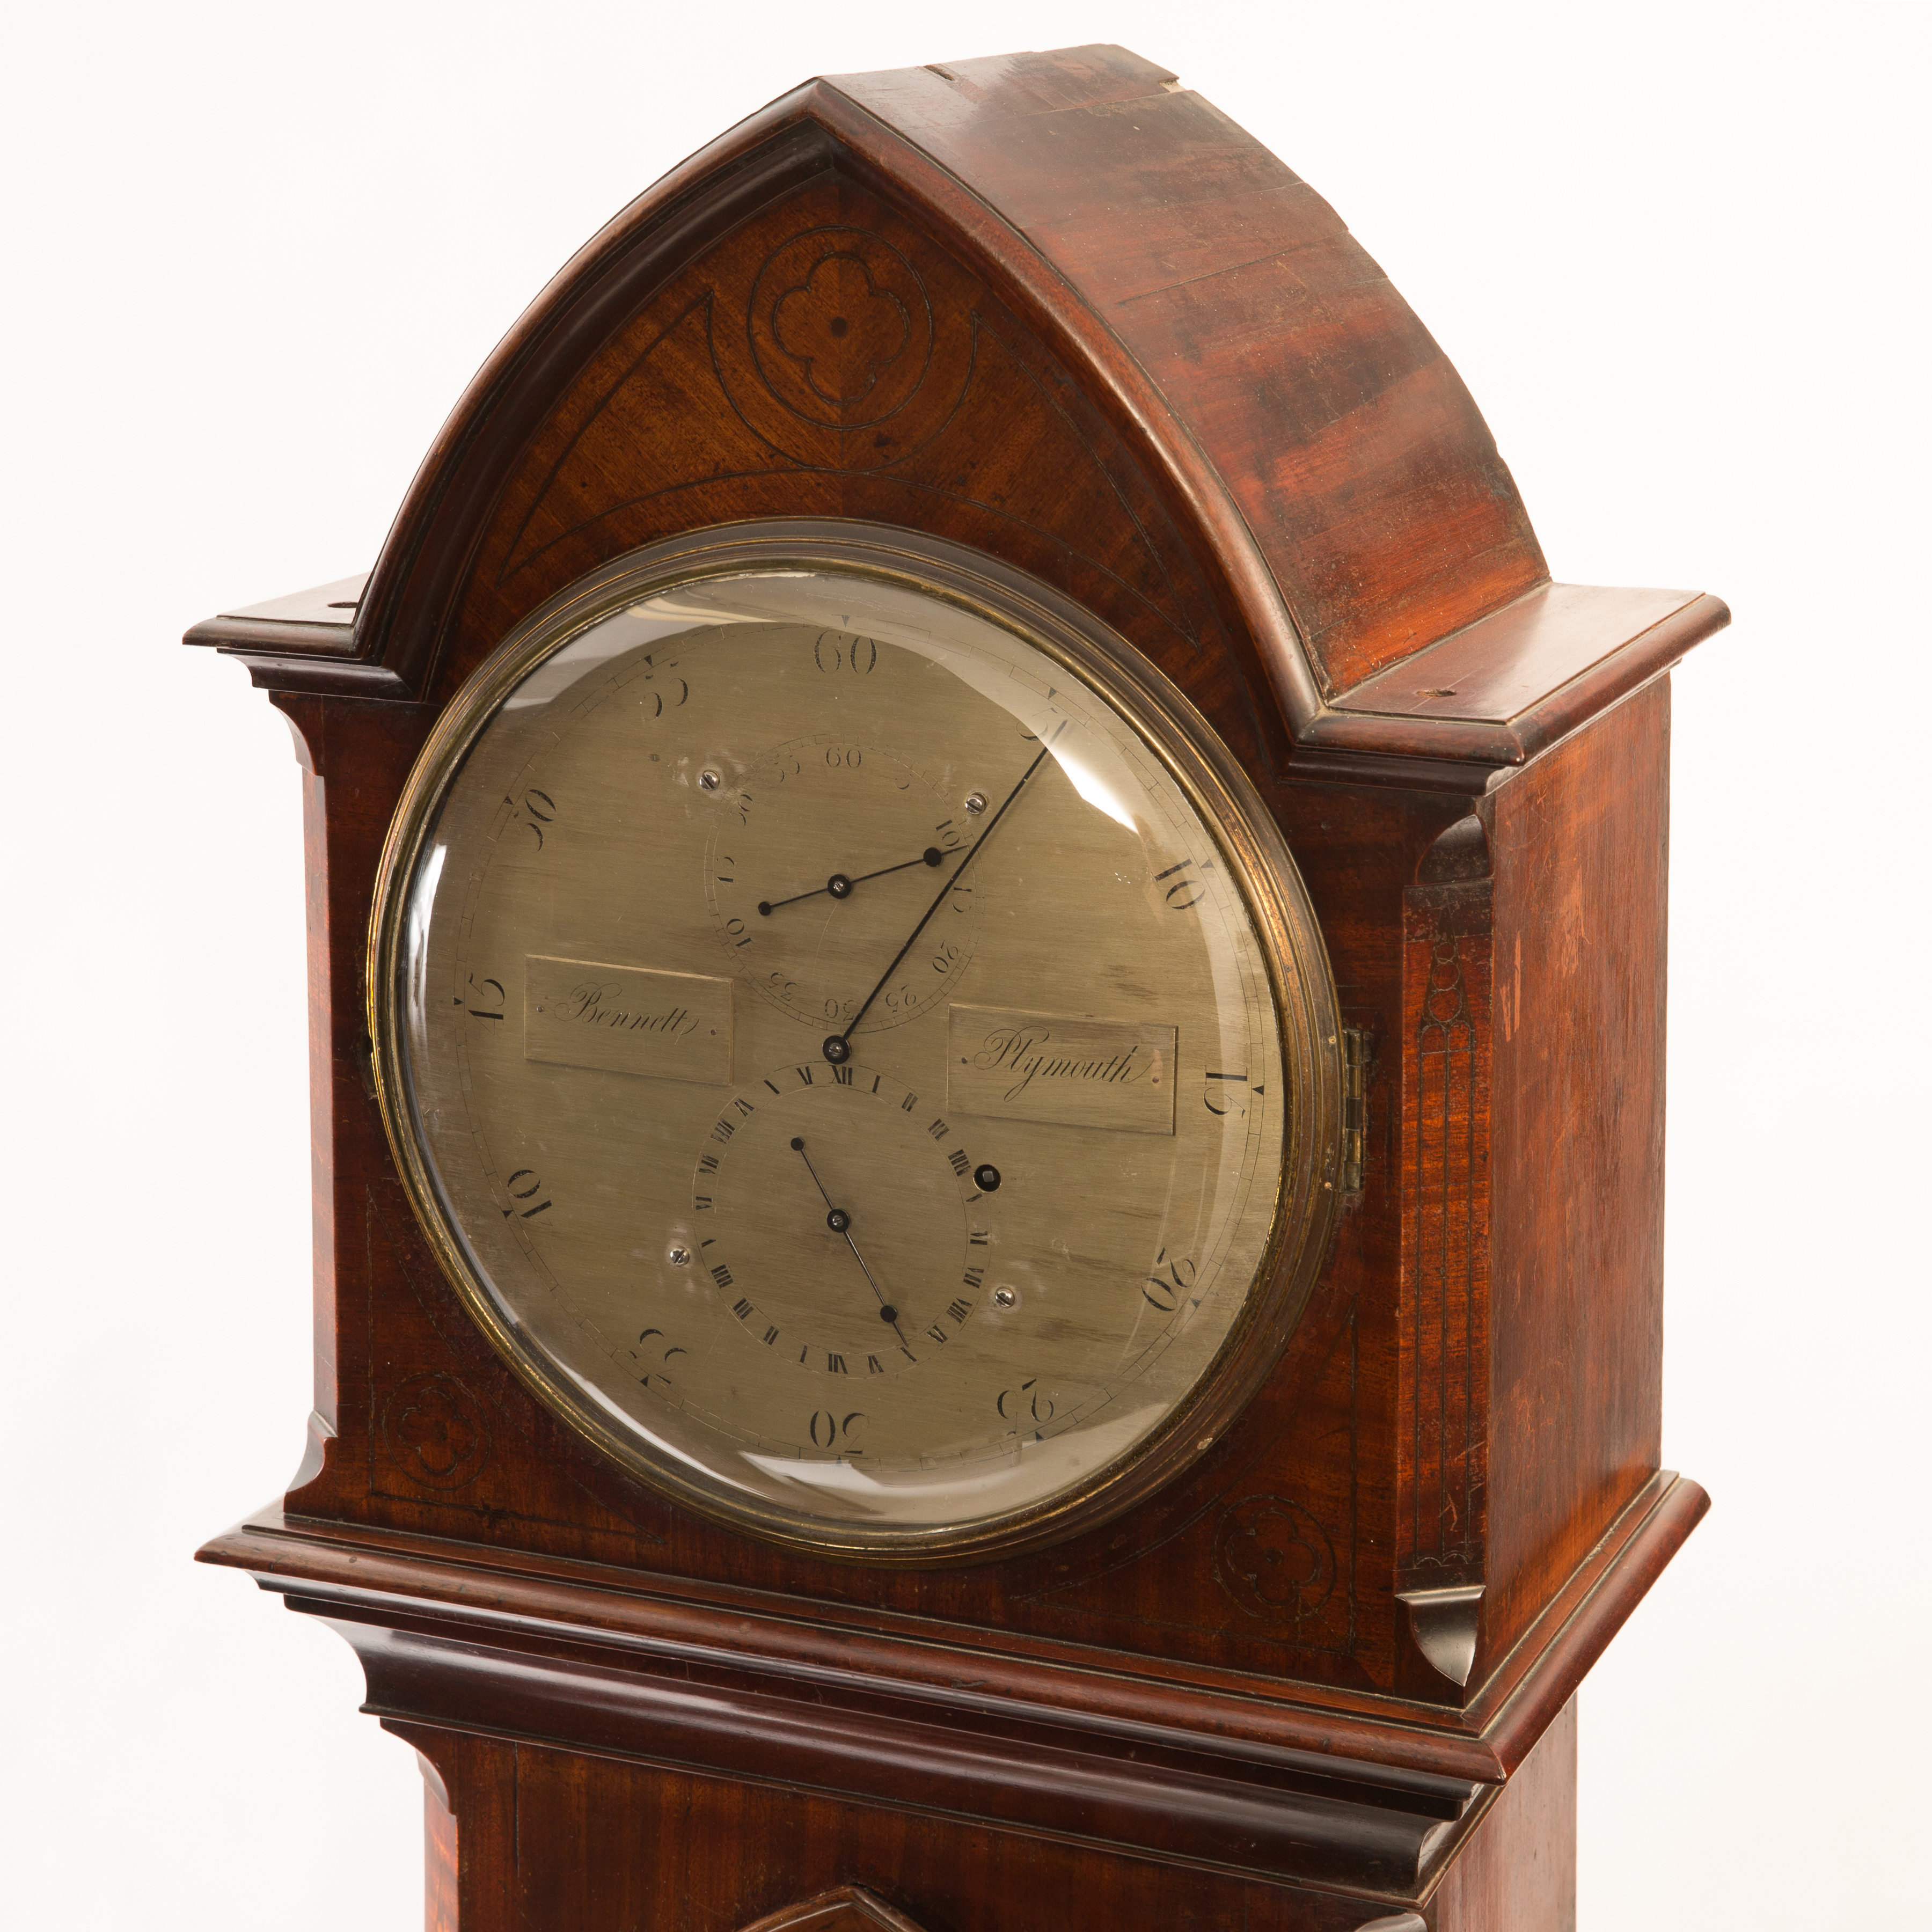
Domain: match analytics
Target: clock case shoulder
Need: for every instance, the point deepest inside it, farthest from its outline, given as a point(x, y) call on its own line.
point(1457, 1459)
point(1051, 1740)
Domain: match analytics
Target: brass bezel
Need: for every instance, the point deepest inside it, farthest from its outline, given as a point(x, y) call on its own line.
point(1252, 846)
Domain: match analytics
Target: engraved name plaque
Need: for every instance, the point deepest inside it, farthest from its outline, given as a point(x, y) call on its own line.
point(1115, 1074)
point(621, 1019)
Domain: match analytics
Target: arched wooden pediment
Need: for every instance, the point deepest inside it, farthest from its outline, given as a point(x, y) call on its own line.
point(1057, 308)
point(829, 358)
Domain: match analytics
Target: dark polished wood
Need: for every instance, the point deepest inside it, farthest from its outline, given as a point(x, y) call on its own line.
point(442, 1877)
point(655, 1849)
point(676, 1852)
point(1581, 846)
point(1520, 1868)
point(1304, 1685)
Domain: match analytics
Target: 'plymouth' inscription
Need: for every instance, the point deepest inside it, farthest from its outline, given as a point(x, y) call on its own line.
point(623, 1019)
point(1116, 1074)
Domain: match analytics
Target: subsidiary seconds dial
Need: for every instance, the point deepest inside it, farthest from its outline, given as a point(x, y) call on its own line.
point(822, 852)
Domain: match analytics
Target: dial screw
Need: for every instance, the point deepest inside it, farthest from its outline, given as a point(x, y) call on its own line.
point(986, 1179)
point(839, 886)
point(709, 781)
point(976, 803)
point(838, 1220)
point(678, 1256)
point(1006, 1298)
point(888, 1313)
point(836, 1050)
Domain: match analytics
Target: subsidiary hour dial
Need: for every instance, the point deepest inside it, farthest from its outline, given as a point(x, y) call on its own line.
point(838, 1218)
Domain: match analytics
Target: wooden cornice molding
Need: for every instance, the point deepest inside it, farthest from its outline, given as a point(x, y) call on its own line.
point(1507, 687)
point(1188, 1807)
point(1213, 1767)
point(1489, 697)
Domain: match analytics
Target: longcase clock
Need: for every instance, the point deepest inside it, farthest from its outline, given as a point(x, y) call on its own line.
point(988, 997)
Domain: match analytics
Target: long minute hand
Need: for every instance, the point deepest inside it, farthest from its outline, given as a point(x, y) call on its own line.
point(838, 1048)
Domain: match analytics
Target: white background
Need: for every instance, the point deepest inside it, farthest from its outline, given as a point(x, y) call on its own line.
point(253, 254)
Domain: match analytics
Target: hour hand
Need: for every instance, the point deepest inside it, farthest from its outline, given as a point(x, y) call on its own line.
point(839, 886)
point(840, 1222)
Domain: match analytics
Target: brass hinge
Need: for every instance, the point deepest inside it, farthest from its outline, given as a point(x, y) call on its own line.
point(1355, 1106)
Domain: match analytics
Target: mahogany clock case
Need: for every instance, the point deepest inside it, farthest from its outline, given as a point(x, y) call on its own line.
point(1107, 342)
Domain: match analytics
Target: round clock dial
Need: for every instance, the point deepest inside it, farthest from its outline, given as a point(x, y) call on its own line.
point(862, 1054)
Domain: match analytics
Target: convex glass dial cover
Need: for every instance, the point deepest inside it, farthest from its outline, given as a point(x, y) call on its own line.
point(861, 1052)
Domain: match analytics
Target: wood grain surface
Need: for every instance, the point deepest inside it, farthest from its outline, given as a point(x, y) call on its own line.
point(1105, 340)
point(667, 1850)
point(1581, 852)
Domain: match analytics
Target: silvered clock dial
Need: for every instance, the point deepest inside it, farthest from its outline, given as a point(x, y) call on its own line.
point(859, 1047)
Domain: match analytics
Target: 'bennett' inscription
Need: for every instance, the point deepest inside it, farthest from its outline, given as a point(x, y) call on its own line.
point(1116, 1074)
point(623, 1019)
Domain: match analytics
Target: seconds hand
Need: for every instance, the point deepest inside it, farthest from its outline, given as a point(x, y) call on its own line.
point(840, 886)
point(838, 1048)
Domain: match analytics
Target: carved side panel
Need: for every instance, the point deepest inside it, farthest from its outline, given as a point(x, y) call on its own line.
point(1442, 1424)
point(1279, 1533)
point(453, 1448)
